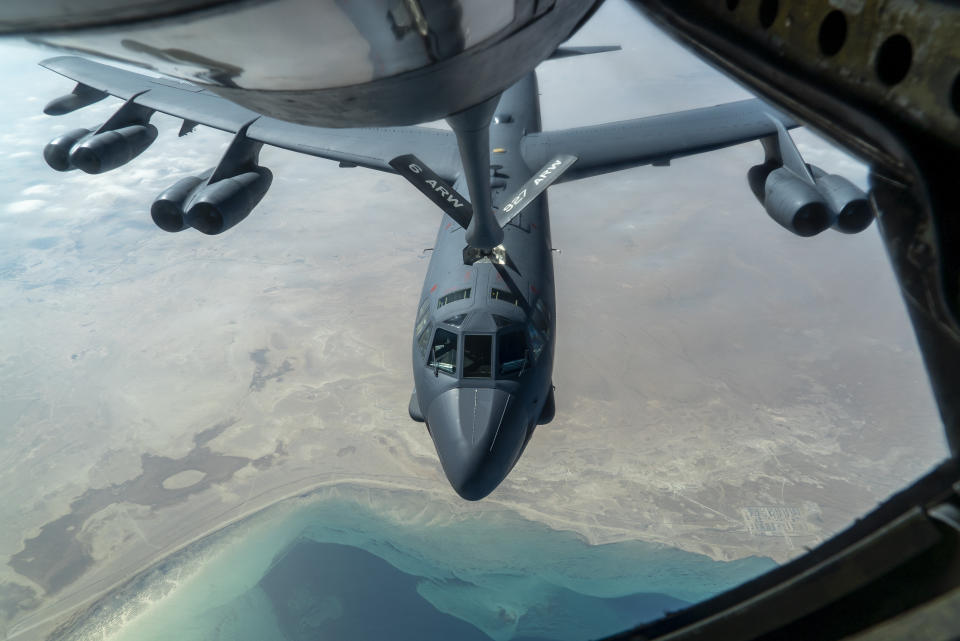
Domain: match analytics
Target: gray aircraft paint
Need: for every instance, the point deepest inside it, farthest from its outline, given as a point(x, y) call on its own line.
point(481, 425)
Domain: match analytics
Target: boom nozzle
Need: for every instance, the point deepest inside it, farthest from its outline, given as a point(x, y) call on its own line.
point(472, 127)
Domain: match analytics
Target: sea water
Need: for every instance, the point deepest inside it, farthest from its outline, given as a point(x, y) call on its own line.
point(349, 563)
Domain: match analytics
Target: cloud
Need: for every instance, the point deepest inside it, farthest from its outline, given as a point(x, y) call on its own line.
point(15, 140)
point(39, 190)
point(25, 206)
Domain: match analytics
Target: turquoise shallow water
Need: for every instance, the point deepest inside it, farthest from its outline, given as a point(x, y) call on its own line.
point(356, 564)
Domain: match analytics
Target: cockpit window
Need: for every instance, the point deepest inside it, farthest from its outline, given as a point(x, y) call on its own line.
point(477, 356)
point(460, 294)
point(422, 316)
point(443, 353)
point(536, 341)
point(456, 321)
point(420, 327)
point(511, 354)
point(538, 329)
point(424, 338)
point(541, 318)
point(502, 321)
point(505, 296)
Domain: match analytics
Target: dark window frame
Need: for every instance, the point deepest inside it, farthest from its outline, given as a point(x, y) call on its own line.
point(454, 296)
point(456, 320)
point(505, 296)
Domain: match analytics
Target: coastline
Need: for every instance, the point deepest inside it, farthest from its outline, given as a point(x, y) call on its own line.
point(68, 609)
point(418, 536)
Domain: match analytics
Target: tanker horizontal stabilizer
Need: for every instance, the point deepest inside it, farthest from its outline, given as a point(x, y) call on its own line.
point(433, 187)
point(537, 184)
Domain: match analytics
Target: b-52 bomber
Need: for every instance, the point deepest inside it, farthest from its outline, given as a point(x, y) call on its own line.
point(485, 328)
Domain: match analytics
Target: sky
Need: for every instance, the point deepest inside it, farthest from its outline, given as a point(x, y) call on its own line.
point(697, 338)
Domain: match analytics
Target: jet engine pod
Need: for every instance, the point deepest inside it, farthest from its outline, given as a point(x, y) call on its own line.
point(167, 209)
point(795, 204)
point(81, 96)
point(221, 205)
point(57, 151)
point(757, 178)
point(846, 199)
point(111, 149)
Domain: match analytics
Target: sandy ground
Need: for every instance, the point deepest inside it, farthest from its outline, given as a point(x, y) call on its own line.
point(720, 392)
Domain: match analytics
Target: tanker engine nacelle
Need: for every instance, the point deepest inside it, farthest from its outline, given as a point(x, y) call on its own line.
point(210, 208)
point(808, 208)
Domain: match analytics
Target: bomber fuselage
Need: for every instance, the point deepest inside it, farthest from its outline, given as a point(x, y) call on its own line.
point(484, 334)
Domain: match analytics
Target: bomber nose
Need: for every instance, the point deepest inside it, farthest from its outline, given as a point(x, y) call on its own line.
point(478, 434)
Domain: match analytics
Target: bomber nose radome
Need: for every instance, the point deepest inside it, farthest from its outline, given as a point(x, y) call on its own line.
point(478, 433)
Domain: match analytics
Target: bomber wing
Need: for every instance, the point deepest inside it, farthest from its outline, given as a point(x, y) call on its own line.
point(371, 148)
point(601, 149)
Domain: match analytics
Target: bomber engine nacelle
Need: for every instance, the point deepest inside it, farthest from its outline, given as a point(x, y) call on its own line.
point(795, 204)
point(808, 209)
point(221, 205)
point(111, 149)
point(221, 197)
point(802, 197)
point(123, 137)
point(210, 208)
point(57, 151)
point(846, 199)
point(167, 210)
